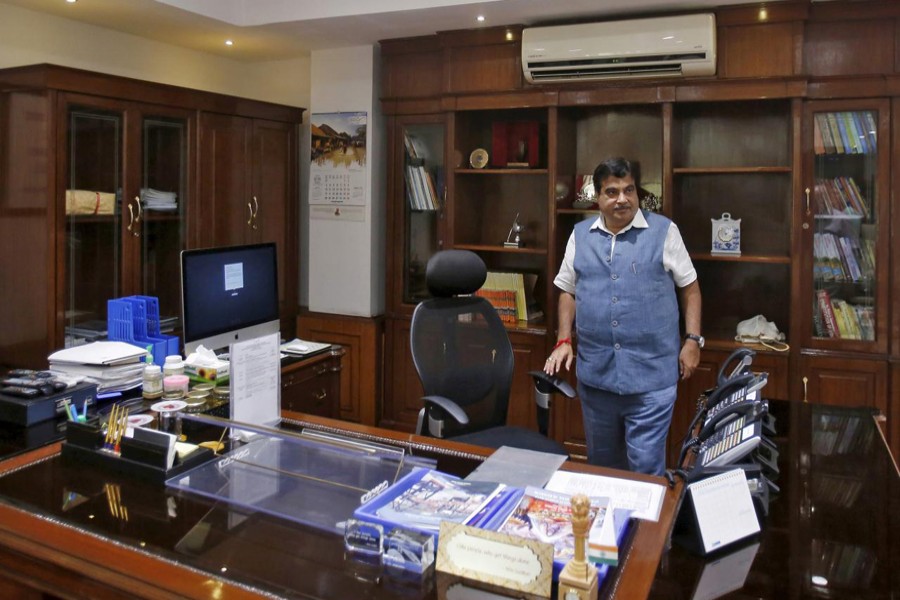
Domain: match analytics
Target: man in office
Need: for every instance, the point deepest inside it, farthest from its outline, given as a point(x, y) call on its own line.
point(618, 284)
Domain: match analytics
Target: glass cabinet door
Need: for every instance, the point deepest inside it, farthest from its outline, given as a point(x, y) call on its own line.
point(423, 200)
point(161, 201)
point(93, 211)
point(847, 202)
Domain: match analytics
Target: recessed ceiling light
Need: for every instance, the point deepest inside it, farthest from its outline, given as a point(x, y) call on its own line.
point(480, 18)
point(229, 43)
point(71, 1)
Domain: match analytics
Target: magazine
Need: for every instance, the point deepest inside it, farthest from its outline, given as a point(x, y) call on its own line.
point(439, 497)
point(546, 516)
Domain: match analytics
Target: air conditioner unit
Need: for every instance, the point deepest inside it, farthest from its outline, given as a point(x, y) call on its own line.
point(677, 46)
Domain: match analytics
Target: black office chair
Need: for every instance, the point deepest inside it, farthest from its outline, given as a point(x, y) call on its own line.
point(465, 362)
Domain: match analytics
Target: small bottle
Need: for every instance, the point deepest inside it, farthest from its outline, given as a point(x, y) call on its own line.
point(174, 365)
point(152, 382)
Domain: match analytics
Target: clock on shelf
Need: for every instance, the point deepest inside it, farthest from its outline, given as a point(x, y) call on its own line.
point(726, 235)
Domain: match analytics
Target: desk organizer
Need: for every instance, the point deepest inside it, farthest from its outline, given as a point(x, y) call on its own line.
point(84, 444)
point(135, 319)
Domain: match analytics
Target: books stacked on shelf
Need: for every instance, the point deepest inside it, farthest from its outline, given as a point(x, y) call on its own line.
point(158, 200)
point(421, 188)
point(841, 196)
point(837, 318)
point(845, 133)
point(838, 434)
point(842, 259)
point(512, 295)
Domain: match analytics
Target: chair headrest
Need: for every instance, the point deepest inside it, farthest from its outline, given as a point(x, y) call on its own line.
point(453, 272)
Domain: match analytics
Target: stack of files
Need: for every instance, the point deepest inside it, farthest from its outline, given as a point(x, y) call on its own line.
point(113, 366)
point(157, 200)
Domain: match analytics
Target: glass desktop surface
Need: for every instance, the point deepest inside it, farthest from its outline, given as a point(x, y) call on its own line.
point(268, 554)
point(317, 481)
point(832, 532)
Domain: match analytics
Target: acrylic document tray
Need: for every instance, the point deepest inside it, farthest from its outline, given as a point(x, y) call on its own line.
point(312, 478)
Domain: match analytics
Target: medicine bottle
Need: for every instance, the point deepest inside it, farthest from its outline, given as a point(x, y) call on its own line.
point(174, 365)
point(152, 382)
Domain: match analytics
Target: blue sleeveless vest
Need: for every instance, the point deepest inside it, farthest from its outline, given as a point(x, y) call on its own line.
point(626, 310)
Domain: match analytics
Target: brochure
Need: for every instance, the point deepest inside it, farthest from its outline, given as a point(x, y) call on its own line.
point(546, 516)
point(437, 497)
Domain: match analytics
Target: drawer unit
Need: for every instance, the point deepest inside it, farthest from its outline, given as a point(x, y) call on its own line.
point(313, 385)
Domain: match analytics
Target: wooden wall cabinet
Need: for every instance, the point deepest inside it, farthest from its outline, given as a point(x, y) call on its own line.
point(248, 176)
point(79, 152)
point(313, 385)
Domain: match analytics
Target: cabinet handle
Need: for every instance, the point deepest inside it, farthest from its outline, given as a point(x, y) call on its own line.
point(250, 218)
point(130, 216)
point(805, 382)
point(320, 395)
point(807, 201)
point(137, 220)
point(255, 212)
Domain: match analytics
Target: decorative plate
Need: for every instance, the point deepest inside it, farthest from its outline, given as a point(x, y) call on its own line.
point(479, 158)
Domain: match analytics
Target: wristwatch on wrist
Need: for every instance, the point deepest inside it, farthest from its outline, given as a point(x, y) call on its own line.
point(697, 338)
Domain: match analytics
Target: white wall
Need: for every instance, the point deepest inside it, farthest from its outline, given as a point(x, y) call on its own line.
point(346, 257)
point(28, 37)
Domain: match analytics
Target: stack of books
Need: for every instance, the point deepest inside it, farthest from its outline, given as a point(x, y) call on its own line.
point(421, 190)
point(511, 295)
point(157, 200)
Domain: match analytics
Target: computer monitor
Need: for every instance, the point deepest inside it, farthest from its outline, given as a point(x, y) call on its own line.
point(228, 295)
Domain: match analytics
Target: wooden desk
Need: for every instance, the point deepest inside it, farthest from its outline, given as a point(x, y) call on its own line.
point(76, 532)
point(832, 532)
point(313, 385)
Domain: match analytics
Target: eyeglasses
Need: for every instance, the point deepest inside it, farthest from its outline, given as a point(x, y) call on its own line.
point(613, 192)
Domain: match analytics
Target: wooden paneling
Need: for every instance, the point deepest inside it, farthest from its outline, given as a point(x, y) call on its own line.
point(363, 362)
point(493, 68)
point(402, 389)
point(411, 68)
point(850, 48)
point(844, 381)
point(529, 355)
point(763, 50)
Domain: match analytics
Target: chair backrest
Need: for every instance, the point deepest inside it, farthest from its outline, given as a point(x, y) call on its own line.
point(459, 345)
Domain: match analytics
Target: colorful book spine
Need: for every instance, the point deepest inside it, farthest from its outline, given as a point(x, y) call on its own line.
point(825, 309)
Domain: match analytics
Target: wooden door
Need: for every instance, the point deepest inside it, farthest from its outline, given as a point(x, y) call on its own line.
point(843, 381)
point(225, 200)
point(274, 205)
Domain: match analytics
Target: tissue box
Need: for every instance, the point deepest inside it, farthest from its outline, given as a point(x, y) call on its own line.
point(212, 372)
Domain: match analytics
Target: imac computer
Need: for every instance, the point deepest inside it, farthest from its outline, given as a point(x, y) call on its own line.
point(228, 295)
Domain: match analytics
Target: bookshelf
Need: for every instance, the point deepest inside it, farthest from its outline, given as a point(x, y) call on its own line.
point(844, 218)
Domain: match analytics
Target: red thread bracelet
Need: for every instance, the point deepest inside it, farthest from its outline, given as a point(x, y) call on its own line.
point(561, 342)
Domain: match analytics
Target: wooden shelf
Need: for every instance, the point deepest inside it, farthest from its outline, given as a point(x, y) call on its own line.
point(728, 170)
point(500, 248)
point(746, 258)
point(577, 211)
point(462, 171)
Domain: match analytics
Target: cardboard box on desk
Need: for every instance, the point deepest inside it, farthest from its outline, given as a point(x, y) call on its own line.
point(213, 372)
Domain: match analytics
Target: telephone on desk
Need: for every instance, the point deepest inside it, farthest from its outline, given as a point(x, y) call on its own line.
point(734, 423)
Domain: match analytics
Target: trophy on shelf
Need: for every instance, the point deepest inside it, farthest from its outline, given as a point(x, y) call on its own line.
point(514, 237)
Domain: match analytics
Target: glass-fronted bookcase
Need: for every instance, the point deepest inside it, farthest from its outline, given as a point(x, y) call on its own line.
point(844, 225)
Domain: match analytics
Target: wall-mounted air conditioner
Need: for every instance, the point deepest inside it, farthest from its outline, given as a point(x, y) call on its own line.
point(678, 46)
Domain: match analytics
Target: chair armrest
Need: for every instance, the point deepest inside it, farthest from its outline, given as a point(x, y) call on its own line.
point(551, 383)
point(449, 406)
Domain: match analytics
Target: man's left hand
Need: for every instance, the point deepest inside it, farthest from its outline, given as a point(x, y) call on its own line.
point(688, 359)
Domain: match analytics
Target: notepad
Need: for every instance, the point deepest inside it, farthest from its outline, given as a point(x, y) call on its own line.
point(298, 347)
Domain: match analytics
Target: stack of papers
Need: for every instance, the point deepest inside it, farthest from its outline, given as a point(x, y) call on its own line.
point(298, 347)
point(113, 366)
point(157, 200)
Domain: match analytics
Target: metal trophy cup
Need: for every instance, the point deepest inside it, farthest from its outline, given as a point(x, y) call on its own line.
point(514, 237)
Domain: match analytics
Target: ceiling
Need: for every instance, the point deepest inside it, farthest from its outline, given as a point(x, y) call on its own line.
point(265, 30)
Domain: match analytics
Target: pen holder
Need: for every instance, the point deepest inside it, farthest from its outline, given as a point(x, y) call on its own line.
point(85, 435)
